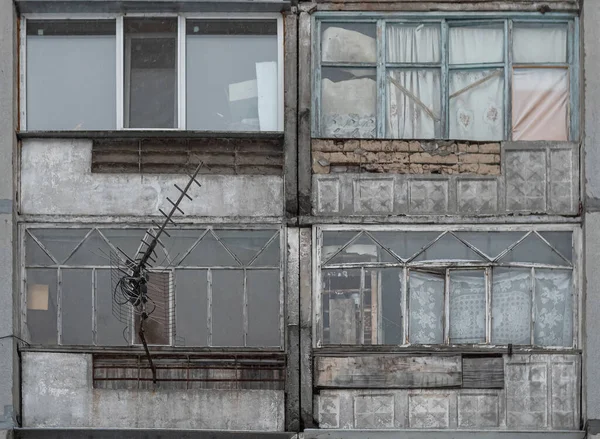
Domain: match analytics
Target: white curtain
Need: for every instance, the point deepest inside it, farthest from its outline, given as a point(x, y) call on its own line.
point(426, 292)
point(414, 96)
point(546, 43)
point(467, 307)
point(553, 308)
point(511, 306)
point(477, 105)
point(476, 44)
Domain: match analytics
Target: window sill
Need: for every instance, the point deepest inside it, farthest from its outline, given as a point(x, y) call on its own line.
point(139, 350)
point(337, 350)
point(149, 134)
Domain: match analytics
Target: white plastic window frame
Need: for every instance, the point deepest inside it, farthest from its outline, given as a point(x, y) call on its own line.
point(279, 233)
point(445, 21)
point(317, 264)
point(120, 65)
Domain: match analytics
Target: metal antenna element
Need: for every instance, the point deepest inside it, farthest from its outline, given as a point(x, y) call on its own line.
point(145, 293)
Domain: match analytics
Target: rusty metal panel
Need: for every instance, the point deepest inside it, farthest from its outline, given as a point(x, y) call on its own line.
point(388, 371)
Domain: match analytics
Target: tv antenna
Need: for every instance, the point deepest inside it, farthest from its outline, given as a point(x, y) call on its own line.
point(140, 295)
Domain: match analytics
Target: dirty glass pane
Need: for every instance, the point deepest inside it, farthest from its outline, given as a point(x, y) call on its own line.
point(71, 83)
point(477, 105)
point(191, 304)
point(227, 307)
point(467, 306)
point(348, 102)
point(449, 248)
point(270, 256)
point(232, 75)
point(76, 307)
point(553, 308)
point(413, 43)
point(34, 255)
point(348, 42)
point(42, 305)
point(340, 295)
point(561, 241)
point(110, 331)
point(540, 104)
point(413, 104)
point(426, 307)
point(207, 253)
point(405, 244)
point(511, 306)
point(127, 240)
point(533, 249)
point(491, 243)
point(150, 73)
point(246, 244)
point(389, 296)
point(362, 249)
point(93, 251)
point(157, 328)
point(477, 44)
point(264, 293)
point(59, 242)
point(539, 43)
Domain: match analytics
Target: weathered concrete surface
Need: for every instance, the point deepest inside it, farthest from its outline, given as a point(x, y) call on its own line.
point(67, 187)
point(591, 307)
point(57, 392)
point(144, 434)
point(437, 434)
point(591, 99)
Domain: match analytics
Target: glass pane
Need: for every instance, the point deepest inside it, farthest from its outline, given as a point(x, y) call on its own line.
point(539, 43)
point(491, 243)
point(270, 256)
point(42, 306)
point(348, 102)
point(264, 292)
point(426, 305)
point(362, 249)
point(340, 294)
point(34, 255)
point(77, 307)
point(71, 83)
point(227, 307)
point(553, 308)
point(333, 241)
point(126, 240)
point(93, 251)
point(413, 43)
point(540, 104)
point(180, 242)
point(477, 105)
point(348, 42)
point(191, 303)
point(110, 331)
point(413, 104)
point(405, 244)
point(245, 244)
point(467, 306)
point(157, 328)
point(59, 242)
point(477, 44)
point(448, 248)
point(391, 319)
point(561, 241)
point(511, 306)
point(208, 253)
point(151, 73)
point(232, 75)
point(533, 249)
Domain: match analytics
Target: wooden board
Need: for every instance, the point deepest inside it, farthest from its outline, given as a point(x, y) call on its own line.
point(388, 371)
point(483, 372)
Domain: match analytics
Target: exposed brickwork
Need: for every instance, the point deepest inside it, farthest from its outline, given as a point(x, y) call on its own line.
point(405, 157)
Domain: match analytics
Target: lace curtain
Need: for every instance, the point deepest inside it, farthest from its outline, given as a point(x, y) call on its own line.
point(426, 308)
point(467, 307)
point(553, 308)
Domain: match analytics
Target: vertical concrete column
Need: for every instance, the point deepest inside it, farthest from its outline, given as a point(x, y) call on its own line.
point(8, 312)
point(291, 113)
point(306, 357)
point(590, 35)
point(292, 288)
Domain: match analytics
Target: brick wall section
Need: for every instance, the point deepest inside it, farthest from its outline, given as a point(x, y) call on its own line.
point(405, 157)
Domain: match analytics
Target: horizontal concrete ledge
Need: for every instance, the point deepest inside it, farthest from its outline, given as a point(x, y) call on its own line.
point(34, 433)
point(439, 219)
point(440, 434)
point(112, 6)
point(145, 134)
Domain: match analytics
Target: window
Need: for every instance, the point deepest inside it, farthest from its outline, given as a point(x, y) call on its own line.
point(194, 73)
point(445, 287)
point(211, 287)
point(477, 79)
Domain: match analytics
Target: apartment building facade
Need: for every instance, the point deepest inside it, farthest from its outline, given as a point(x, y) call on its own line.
point(394, 234)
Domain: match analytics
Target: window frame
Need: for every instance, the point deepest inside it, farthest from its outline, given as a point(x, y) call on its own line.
point(318, 265)
point(181, 61)
point(447, 20)
point(279, 236)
